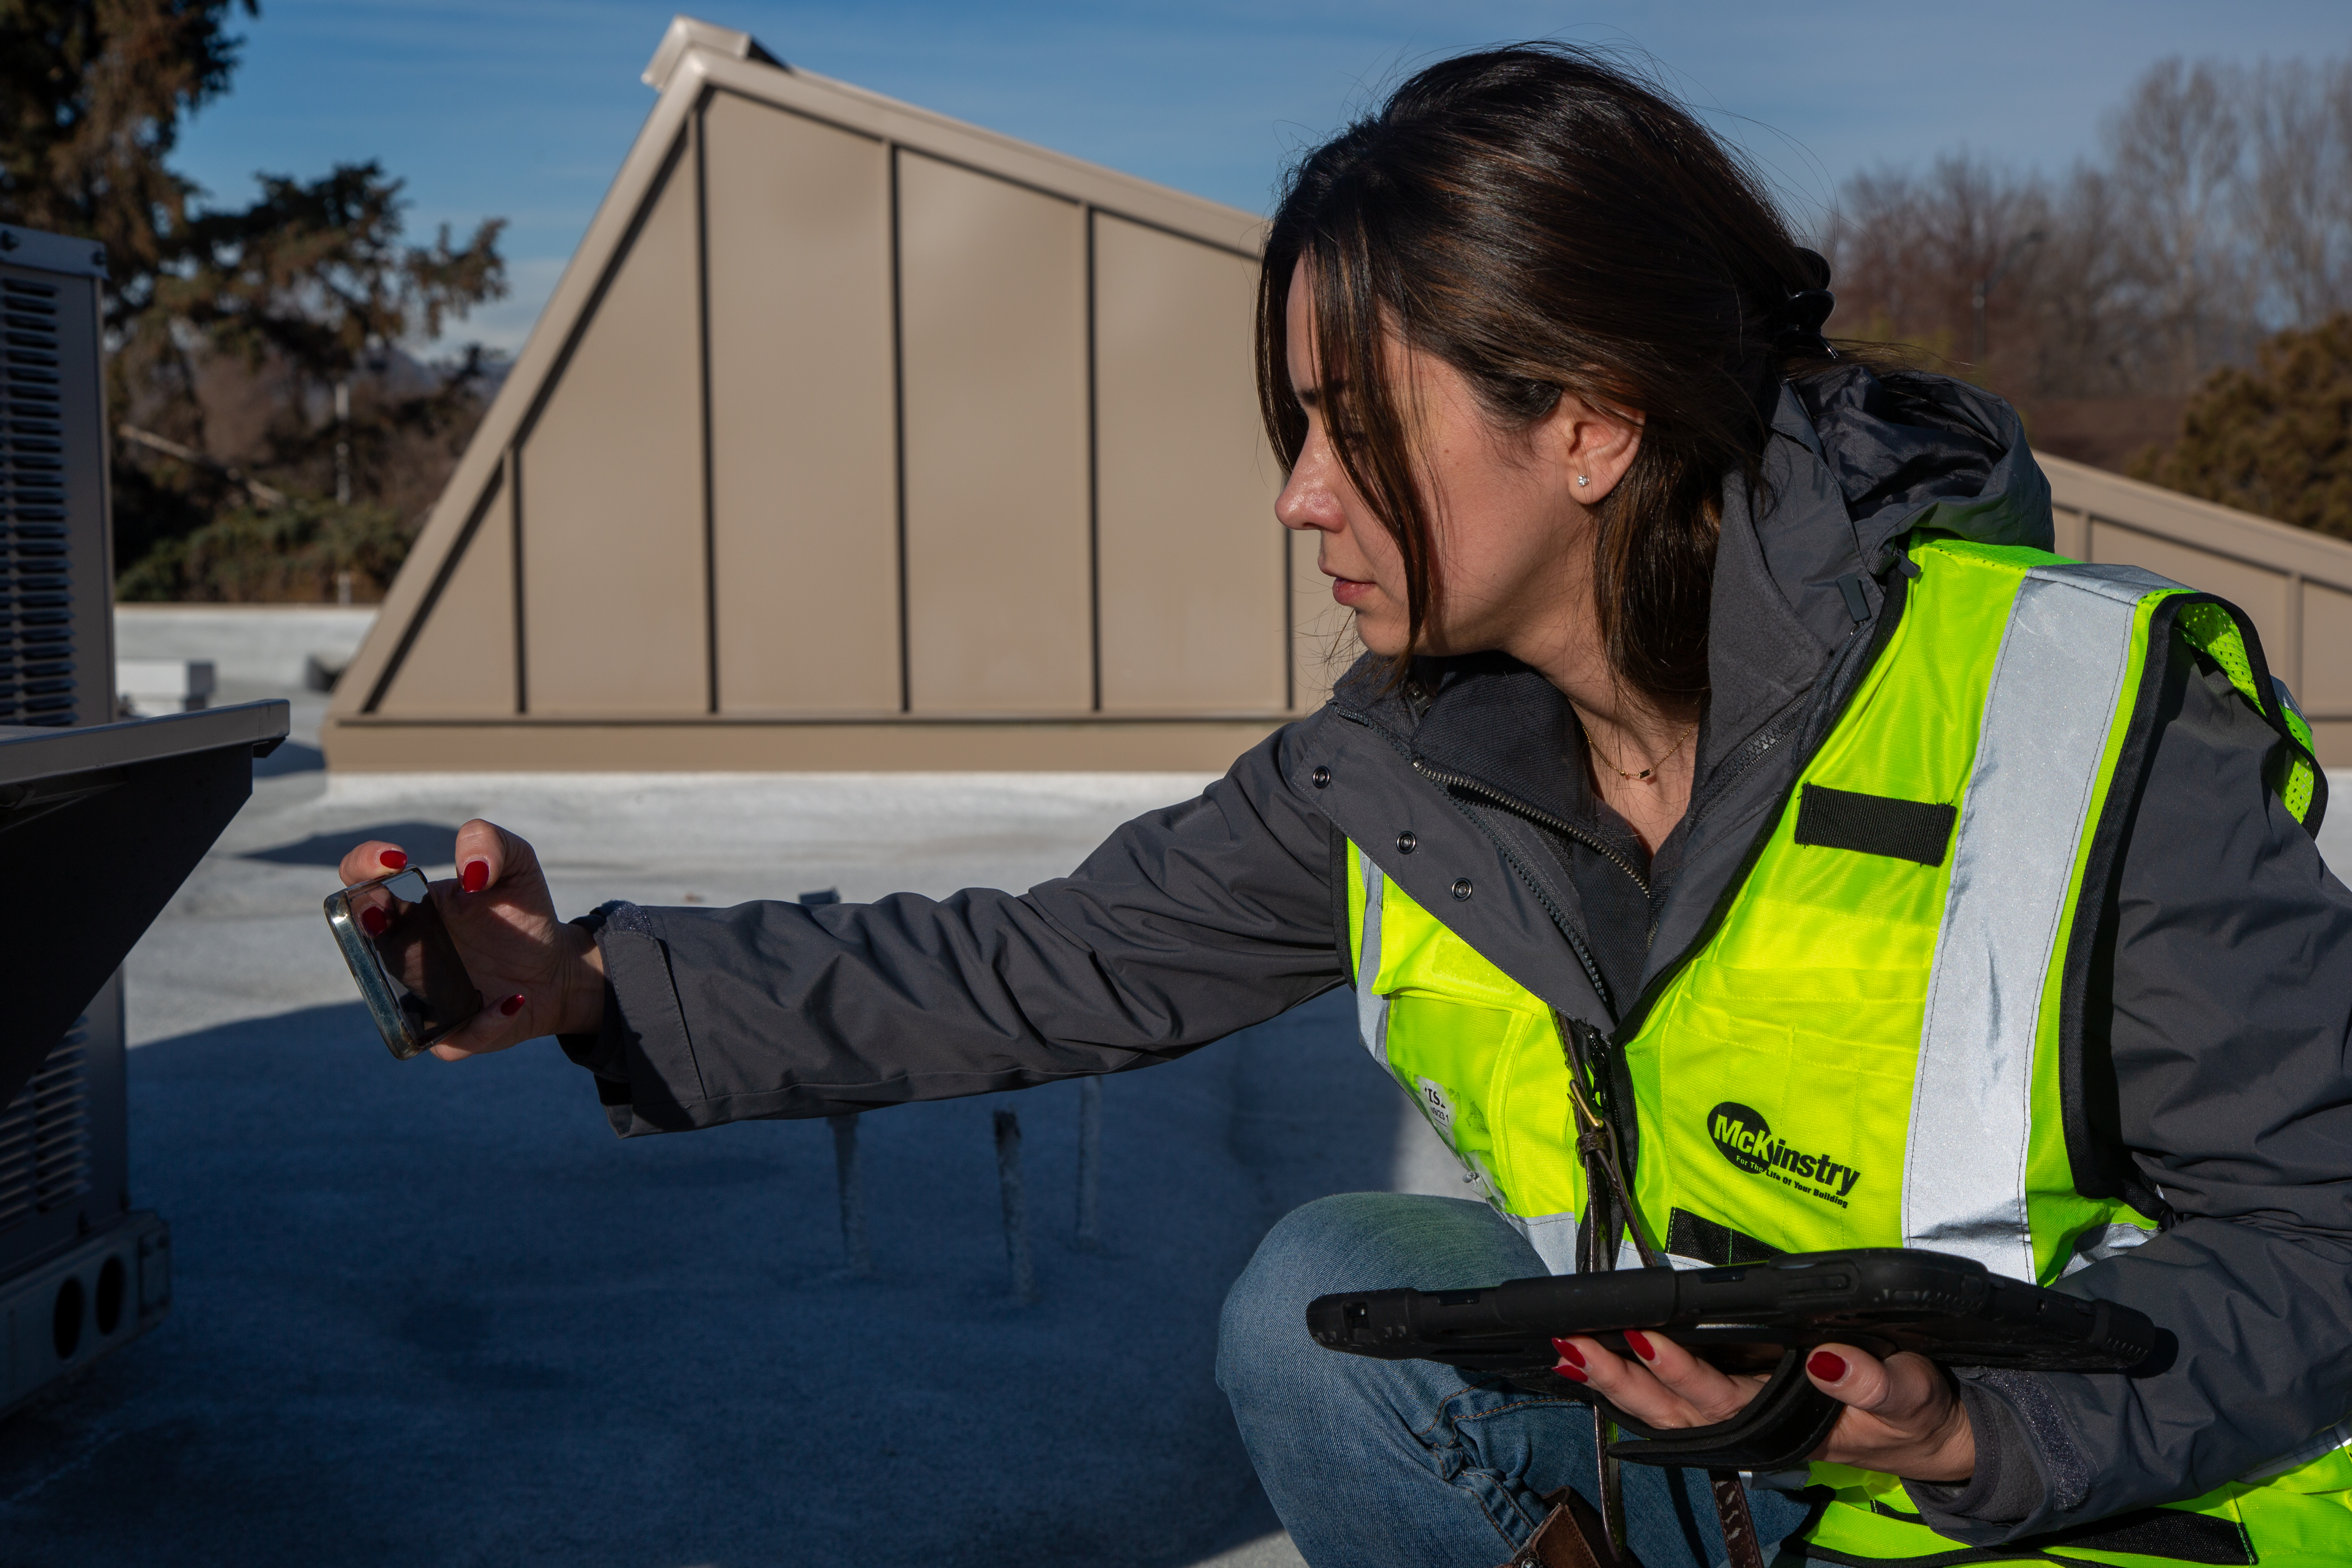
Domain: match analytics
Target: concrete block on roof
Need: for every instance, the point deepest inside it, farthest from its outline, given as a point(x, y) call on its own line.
point(150, 687)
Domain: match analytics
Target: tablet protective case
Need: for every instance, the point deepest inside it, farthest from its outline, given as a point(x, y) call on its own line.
point(1757, 1316)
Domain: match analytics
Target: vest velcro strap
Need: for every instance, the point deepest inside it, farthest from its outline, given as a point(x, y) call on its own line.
point(1717, 1246)
point(1795, 1550)
point(2169, 1532)
point(1875, 824)
point(2173, 1534)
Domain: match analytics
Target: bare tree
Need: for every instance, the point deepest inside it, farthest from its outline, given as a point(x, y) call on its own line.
point(2219, 213)
point(2294, 203)
point(2175, 148)
point(1909, 254)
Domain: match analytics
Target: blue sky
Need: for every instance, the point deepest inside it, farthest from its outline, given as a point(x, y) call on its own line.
point(523, 109)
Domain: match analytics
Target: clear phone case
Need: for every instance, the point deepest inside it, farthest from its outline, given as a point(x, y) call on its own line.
point(407, 969)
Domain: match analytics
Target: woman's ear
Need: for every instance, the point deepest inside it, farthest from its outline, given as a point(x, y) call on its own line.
point(1591, 446)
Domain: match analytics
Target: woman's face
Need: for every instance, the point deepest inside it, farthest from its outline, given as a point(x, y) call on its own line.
point(1512, 535)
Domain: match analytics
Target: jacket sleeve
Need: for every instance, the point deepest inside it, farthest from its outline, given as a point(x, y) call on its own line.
point(2231, 1089)
point(1189, 923)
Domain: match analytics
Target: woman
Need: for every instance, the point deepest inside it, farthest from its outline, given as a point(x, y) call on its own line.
point(1725, 754)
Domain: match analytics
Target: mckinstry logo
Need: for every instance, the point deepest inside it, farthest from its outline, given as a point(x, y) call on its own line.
point(1747, 1141)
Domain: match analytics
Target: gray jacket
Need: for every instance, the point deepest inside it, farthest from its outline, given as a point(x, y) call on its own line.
point(2216, 1087)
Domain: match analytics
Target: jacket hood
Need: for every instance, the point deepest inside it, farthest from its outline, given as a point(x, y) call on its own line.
point(1900, 444)
point(1856, 461)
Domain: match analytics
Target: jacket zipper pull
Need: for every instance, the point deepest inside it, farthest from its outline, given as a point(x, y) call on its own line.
point(1855, 604)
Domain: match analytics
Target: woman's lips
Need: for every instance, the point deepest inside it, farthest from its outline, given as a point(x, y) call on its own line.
point(1349, 591)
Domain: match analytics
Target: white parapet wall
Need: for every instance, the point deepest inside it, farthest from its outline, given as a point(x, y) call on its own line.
point(2335, 829)
point(247, 645)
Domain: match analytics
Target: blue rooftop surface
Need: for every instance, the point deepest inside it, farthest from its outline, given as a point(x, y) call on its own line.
point(437, 1313)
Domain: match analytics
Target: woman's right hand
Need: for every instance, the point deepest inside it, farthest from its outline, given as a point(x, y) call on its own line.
point(537, 975)
point(1903, 1415)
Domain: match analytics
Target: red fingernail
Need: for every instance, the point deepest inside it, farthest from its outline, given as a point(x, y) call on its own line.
point(476, 876)
point(1826, 1365)
point(393, 859)
point(374, 921)
point(1573, 1373)
point(512, 1005)
point(1568, 1352)
point(1642, 1345)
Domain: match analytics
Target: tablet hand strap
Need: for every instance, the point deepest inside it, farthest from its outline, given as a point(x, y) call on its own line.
point(1778, 1430)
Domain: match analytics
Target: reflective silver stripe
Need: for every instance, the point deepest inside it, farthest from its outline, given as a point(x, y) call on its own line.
point(2336, 1436)
point(1629, 1257)
point(1372, 1028)
point(2098, 1245)
point(1553, 1235)
point(1372, 1007)
point(2055, 683)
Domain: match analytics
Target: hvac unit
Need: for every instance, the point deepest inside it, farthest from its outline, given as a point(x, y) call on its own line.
point(99, 823)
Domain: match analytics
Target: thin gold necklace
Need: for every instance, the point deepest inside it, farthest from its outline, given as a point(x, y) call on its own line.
point(1649, 774)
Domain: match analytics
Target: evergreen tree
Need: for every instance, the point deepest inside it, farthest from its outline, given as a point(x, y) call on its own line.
point(309, 287)
point(2274, 439)
point(92, 93)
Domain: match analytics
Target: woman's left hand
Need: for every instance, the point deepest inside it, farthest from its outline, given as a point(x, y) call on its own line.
point(1902, 1415)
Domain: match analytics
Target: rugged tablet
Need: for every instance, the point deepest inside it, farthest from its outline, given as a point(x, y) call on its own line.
point(1755, 1317)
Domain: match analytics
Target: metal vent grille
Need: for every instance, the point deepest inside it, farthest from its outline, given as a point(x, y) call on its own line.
point(36, 665)
point(45, 1133)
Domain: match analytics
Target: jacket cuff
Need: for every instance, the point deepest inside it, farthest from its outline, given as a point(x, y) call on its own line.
point(642, 1056)
point(2028, 1467)
point(598, 1052)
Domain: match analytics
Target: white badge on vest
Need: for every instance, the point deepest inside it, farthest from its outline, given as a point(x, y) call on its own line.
point(1436, 1106)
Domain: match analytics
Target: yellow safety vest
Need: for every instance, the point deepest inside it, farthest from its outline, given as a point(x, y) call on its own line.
point(1865, 1047)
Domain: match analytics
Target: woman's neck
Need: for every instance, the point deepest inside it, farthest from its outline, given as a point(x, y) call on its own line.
point(1643, 767)
point(1642, 753)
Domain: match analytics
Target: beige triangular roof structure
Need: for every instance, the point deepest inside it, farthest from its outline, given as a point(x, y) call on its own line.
point(854, 437)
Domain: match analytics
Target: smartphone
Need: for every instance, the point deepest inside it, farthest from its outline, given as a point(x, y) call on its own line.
point(407, 969)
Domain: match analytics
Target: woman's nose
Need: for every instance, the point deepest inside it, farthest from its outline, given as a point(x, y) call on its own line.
point(1310, 500)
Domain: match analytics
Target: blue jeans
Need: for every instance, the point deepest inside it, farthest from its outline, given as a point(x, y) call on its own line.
point(1380, 1463)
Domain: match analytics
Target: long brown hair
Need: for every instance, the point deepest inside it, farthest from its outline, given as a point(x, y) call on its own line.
point(1545, 224)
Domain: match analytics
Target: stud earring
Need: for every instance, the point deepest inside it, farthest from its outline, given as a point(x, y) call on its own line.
point(1582, 481)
